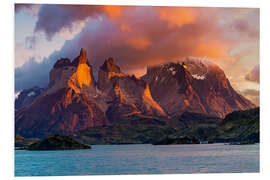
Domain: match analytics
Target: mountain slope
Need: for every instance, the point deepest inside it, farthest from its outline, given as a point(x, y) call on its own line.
point(240, 126)
point(27, 96)
point(135, 129)
point(74, 101)
point(196, 86)
point(63, 107)
point(123, 92)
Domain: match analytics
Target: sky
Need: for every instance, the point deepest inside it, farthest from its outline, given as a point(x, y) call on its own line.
point(137, 37)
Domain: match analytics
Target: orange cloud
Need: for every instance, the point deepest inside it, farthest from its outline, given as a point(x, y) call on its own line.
point(113, 11)
point(139, 43)
point(138, 72)
point(140, 36)
point(177, 16)
point(125, 28)
point(214, 50)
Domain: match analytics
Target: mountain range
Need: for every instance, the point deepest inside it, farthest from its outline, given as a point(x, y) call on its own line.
point(74, 101)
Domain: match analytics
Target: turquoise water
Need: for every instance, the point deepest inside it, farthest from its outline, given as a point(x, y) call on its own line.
point(139, 159)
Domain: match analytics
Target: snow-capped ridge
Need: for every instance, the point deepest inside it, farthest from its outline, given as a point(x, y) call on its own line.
point(198, 60)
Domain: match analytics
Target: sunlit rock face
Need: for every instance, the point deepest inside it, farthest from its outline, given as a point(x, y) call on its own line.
point(74, 101)
point(132, 93)
point(106, 72)
point(125, 95)
point(119, 106)
point(65, 106)
point(75, 75)
point(194, 85)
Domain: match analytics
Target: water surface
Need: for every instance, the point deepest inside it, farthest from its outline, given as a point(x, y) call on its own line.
point(139, 159)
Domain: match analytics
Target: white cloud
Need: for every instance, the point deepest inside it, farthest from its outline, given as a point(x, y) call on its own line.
point(22, 55)
point(71, 32)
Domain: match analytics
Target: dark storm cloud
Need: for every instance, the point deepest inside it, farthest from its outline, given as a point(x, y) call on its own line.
point(54, 18)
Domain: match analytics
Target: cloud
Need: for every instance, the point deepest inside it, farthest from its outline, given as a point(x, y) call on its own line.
point(33, 73)
point(137, 36)
point(177, 16)
point(241, 20)
point(251, 92)
point(31, 9)
point(243, 26)
point(22, 55)
point(56, 18)
point(254, 75)
point(144, 36)
point(31, 41)
point(253, 95)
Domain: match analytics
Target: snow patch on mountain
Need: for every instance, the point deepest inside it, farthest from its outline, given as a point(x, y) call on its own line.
point(199, 67)
point(196, 76)
point(17, 94)
point(32, 93)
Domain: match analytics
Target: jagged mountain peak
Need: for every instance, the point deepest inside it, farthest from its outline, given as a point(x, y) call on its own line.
point(109, 66)
point(62, 62)
point(107, 71)
point(67, 104)
point(81, 59)
point(83, 56)
point(74, 75)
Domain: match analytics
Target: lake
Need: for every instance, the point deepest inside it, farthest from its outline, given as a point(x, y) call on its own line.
point(139, 159)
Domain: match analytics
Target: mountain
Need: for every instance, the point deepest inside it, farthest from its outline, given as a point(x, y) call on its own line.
point(194, 85)
point(119, 106)
point(168, 99)
point(135, 129)
point(240, 126)
point(27, 96)
point(64, 107)
point(124, 92)
point(140, 129)
point(74, 101)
